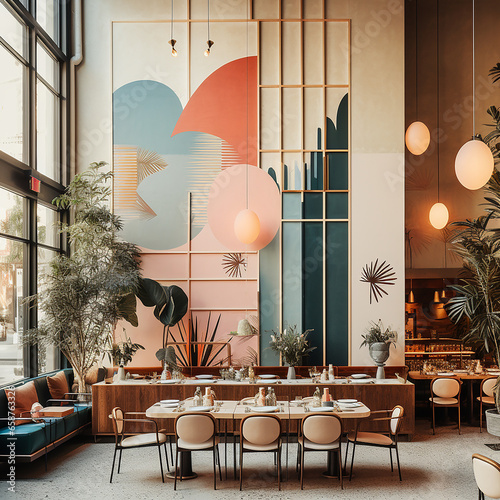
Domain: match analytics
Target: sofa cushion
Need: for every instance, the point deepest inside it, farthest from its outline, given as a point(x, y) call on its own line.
point(25, 396)
point(29, 438)
point(58, 385)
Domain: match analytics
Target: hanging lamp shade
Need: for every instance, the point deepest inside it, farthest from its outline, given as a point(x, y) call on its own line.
point(417, 138)
point(436, 297)
point(438, 215)
point(411, 298)
point(474, 164)
point(247, 226)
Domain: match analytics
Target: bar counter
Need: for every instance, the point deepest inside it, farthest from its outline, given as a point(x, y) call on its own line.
point(138, 395)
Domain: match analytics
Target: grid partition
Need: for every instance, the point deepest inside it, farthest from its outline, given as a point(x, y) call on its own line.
point(304, 83)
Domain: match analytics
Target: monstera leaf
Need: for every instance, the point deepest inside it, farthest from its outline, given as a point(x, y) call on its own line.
point(127, 309)
point(170, 302)
point(167, 355)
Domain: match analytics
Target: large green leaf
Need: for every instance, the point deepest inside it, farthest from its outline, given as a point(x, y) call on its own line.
point(150, 292)
point(127, 309)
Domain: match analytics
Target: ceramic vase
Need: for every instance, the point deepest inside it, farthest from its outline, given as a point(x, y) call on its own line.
point(121, 375)
point(379, 352)
point(291, 373)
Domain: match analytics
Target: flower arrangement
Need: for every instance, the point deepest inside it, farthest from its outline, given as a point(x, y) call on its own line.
point(122, 352)
point(291, 344)
point(376, 333)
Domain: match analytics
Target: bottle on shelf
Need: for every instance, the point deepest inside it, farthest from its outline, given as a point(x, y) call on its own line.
point(316, 402)
point(331, 375)
point(198, 398)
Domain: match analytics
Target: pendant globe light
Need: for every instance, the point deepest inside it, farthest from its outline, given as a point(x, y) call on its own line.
point(438, 215)
point(417, 137)
point(474, 162)
point(247, 223)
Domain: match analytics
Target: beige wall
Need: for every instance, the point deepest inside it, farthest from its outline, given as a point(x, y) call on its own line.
point(377, 130)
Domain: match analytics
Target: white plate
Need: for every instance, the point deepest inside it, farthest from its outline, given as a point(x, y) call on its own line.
point(346, 401)
point(269, 381)
point(360, 375)
point(446, 374)
point(200, 408)
point(169, 405)
point(361, 380)
point(461, 371)
point(169, 381)
point(169, 401)
point(264, 409)
point(267, 375)
point(321, 409)
point(350, 405)
point(204, 377)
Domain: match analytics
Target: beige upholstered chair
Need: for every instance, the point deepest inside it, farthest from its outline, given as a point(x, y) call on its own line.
point(319, 433)
point(487, 475)
point(486, 397)
point(136, 440)
point(196, 432)
point(260, 433)
point(388, 439)
point(445, 393)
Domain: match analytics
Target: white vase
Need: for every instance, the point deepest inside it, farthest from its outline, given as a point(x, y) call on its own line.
point(121, 375)
point(291, 373)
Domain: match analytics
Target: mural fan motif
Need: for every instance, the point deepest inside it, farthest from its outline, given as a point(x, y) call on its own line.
point(233, 264)
point(379, 276)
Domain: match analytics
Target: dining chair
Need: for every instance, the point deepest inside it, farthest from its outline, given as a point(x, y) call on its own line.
point(486, 396)
point(487, 475)
point(138, 440)
point(445, 393)
point(388, 439)
point(196, 432)
point(319, 433)
point(260, 433)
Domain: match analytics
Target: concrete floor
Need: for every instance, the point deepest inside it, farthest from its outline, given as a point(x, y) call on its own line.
point(434, 467)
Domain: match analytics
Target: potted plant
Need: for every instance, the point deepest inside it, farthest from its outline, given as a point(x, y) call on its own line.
point(84, 294)
point(292, 346)
point(379, 342)
point(122, 353)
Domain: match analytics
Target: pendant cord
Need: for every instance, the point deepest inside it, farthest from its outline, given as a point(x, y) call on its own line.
point(416, 59)
point(437, 91)
point(208, 19)
point(172, 20)
point(473, 69)
point(247, 44)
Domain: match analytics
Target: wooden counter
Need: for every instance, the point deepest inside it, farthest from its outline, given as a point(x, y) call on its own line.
point(139, 395)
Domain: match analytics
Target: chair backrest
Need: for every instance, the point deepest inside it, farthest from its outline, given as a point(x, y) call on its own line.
point(195, 428)
point(260, 429)
point(322, 429)
point(448, 387)
point(117, 417)
point(487, 385)
point(396, 419)
point(487, 475)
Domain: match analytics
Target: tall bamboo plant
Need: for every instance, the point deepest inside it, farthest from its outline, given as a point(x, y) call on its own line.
point(477, 242)
point(85, 293)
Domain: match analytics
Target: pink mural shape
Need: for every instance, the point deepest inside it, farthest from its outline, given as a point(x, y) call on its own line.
point(227, 198)
point(221, 104)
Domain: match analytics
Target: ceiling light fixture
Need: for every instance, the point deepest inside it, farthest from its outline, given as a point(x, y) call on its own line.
point(172, 41)
point(438, 215)
point(417, 137)
point(209, 42)
point(474, 162)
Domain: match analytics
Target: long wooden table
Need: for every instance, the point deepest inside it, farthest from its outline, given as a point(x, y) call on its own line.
point(138, 395)
point(233, 410)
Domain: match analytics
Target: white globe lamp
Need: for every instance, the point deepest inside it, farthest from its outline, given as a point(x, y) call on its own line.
point(438, 215)
point(417, 138)
point(474, 164)
point(247, 226)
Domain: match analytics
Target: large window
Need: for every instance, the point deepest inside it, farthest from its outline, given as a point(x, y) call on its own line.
point(33, 92)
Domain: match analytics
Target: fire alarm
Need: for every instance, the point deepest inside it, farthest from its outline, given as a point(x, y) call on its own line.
point(35, 184)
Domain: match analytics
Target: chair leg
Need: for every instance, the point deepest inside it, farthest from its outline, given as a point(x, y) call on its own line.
point(433, 420)
point(166, 455)
point(113, 466)
point(171, 449)
point(279, 469)
point(352, 459)
point(161, 464)
point(218, 460)
point(302, 456)
point(297, 466)
point(341, 474)
point(481, 416)
point(397, 457)
point(459, 417)
point(215, 470)
point(175, 468)
point(241, 467)
point(346, 453)
point(390, 454)
point(120, 461)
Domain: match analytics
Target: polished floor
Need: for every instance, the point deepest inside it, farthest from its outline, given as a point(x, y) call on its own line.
point(434, 467)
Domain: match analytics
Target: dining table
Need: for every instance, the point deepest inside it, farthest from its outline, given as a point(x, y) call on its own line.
point(224, 411)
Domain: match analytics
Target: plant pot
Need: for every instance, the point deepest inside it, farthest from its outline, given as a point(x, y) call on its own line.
point(121, 375)
point(493, 422)
point(291, 373)
point(379, 352)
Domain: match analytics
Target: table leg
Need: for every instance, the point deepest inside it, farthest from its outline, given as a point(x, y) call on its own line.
point(225, 446)
point(471, 401)
point(187, 467)
point(332, 465)
point(287, 441)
